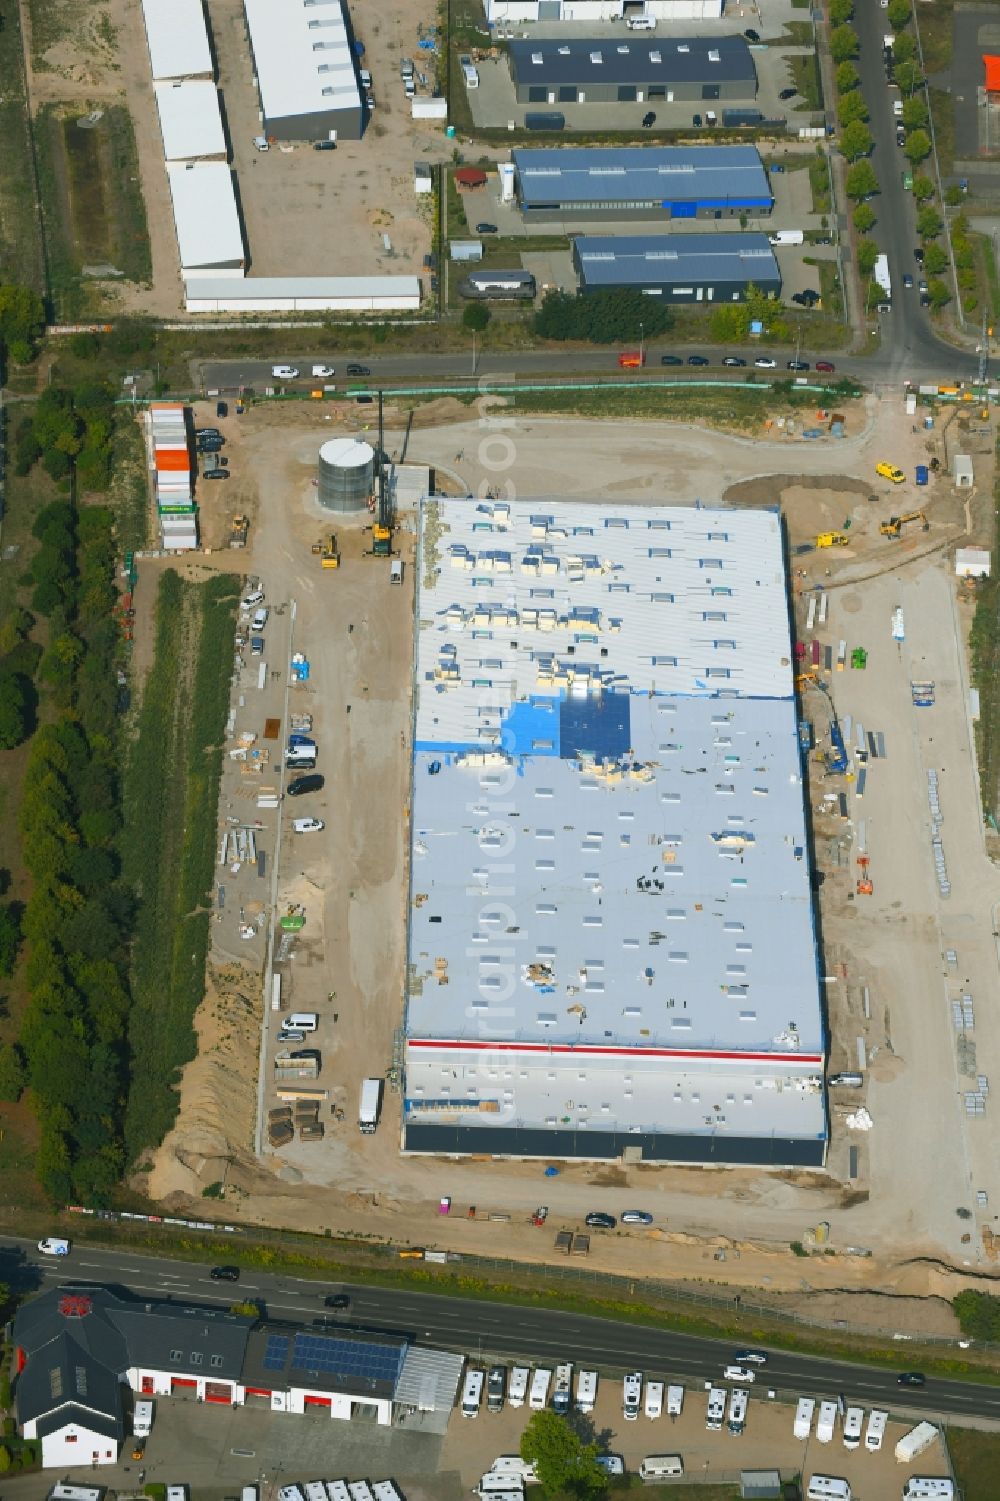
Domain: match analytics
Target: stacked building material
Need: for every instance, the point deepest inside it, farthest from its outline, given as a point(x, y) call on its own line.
point(170, 462)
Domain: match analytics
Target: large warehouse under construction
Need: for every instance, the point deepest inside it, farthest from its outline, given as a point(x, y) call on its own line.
point(611, 949)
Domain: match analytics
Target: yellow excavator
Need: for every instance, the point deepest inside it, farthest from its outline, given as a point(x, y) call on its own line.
point(894, 526)
point(832, 539)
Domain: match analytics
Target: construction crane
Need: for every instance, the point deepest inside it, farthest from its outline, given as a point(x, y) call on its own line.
point(894, 526)
point(832, 539)
point(382, 525)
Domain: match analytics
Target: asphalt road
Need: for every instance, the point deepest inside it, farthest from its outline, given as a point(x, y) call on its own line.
point(483, 1330)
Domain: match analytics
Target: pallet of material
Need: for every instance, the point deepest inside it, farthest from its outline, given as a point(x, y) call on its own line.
point(280, 1133)
point(295, 1092)
point(311, 1132)
point(280, 1113)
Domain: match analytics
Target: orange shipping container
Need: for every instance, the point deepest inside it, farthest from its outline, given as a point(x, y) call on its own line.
point(173, 460)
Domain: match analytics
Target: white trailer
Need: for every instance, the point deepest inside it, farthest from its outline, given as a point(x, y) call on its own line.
point(517, 1387)
point(586, 1390)
point(826, 1423)
point(716, 1409)
point(915, 1442)
point(802, 1426)
point(653, 1405)
point(675, 1401)
point(875, 1432)
point(882, 278)
point(854, 1420)
point(539, 1394)
point(371, 1095)
point(928, 1488)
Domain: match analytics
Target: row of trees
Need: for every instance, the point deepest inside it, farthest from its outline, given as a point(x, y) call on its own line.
point(70, 432)
point(604, 317)
point(731, 322)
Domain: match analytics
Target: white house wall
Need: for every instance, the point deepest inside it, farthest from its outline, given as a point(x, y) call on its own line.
point(74, 1446)
point(158, 1384)
point(520, 11)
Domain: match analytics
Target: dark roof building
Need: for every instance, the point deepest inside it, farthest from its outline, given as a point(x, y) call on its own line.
point(324, 1360)
point(686, 268)
point(641, 182)
point(635, 68)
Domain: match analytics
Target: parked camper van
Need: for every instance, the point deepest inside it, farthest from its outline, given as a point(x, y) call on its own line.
point(472, 1394)
point(632, 1396)
point(586, 1390)
point(539, 1394)
point(661, 1467)
point(518, 1386)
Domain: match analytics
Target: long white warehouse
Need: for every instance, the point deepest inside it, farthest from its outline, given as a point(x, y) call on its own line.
point(304, 65)
point(190, 121)
point(177, 36)
point(303, 294)
point(207, 220)
point(611, 938)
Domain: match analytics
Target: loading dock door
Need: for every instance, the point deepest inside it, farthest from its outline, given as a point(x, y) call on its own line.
point(549, 10)
point(710, 91)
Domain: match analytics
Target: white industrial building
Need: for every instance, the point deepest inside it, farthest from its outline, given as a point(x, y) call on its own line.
point(611, 941)
point(304, 65)
point(303, 294)
point(515, 12)
point(177, 36)
point(207, 220)
point(190, 121)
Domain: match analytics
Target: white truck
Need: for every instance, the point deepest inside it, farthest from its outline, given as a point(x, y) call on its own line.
point(562, 1393)
point(804, 1410)
point(631, 1396)
point(371, 1095)
point(826, 1423)
point(915, 1442)
point(586, 1390)
point(787, 237)
point(883, 280)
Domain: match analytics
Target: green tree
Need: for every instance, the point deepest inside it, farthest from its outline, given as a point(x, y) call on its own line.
point(929, 223)
point(14, 709)
point(848, 78)
point(918, 146)
point(561, 1458)
point(867, 254)
point(476, 316)
point(12, 1081)
point(843, 43)
point(22, 321)
point(10, 937)
point(938, 292)
point(852, 108)
point(841, 12)
point(861, 181)
point(5, 1458)
point(864, 218)
point(855, 141)
point(935, 260)
point(903, 48)
point(915, 113)
point(923, 188)
point(953, 195)
point(909, 77)
point(899, 14)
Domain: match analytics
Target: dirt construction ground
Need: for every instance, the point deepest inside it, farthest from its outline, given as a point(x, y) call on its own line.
point(908, 1193)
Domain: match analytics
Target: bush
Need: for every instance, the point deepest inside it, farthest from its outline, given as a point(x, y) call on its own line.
point(5, 1459)
point(476, 316)
point(978, 1314)
point(798, 1249)
point(606, 317)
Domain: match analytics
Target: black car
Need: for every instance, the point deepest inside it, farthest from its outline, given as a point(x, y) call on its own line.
point(486, 229)
point(798, 365)
point(324, 145)
point(918, 255)
point(671, 359)
point(207, 432)
point(648, 119)
point(215, 474)
point(697, 359)
point(601, 1221)
point(808, 298)
point(358, 370)
point(300, 785)
point(751, 35)
point(788, 93)
point(925, 299)
point(908, 282)
point(733, 361)
point(911, 1378)
point(222, 408)
point(337, 1300)
point(225, 1274)
point(695, 119)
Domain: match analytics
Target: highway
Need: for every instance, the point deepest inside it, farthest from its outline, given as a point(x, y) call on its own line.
point(483, 1330)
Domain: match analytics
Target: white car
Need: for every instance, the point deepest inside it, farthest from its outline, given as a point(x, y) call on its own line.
point(255, 597)
point(739, 1373)
point(323, 372)
point(763, 363)
point(53, 1246)
point(636, 1217)
point(284, 372)
point(259, 620)
point(261, 143)
point(307, 825)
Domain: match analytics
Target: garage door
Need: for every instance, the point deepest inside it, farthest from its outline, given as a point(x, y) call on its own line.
point(317, 1402)
point(218, 1391)
point(182, 1384)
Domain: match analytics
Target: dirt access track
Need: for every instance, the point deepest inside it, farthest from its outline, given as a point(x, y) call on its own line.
point(904, 1191)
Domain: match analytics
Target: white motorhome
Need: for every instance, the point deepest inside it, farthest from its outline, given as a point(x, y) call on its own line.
point(928, 1488)
point(828, 1488)
point(493, 1485)
point(142, 1418)
point(586, 1390)
point(915, 1442)
point(539, 1393)
point(675, 1401)
point(653, 1405)
point(562, 1394)
point(854, 1420)
point(826, 1423)
point(804, 1410)
point(661, 1467)
point(472, 1394)
point(517, 1387)
point(875, 1432)
point(513, 1464)
point(631, 1396)
point(716, 1408)
point(738, 1401)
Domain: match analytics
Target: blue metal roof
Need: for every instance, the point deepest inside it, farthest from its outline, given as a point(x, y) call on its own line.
point(616, 260)
point(654, 174)
point(634, 59)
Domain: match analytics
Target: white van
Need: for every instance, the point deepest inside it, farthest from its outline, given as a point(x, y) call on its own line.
point(396, 571)
point(631, 1396)
point(641, 23)
point(142, 1418)
point(654, 1399)
point(518, 1385)
point(875, 1432)
point(854, 1420)
point(586, 1390)
point(661, 1467)
point(260, 618)
point(471, 76)
point(472, 1394)
point(539, 1394)
point(53, 1246)
point(301, 1021)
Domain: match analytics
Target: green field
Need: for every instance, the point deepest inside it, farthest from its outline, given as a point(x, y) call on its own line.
point(976, 1457)
point(21, 246)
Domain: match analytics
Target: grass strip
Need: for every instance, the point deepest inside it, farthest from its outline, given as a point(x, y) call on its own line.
point(984, 651)
point(22, 251)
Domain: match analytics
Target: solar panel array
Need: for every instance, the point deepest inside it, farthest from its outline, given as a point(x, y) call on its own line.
point(348, 1358)
point(276, 1352)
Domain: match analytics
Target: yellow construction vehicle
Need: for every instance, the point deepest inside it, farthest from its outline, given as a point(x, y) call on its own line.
point(330, 557)
point(832, 539)
point(239, 527)
point(894, 526)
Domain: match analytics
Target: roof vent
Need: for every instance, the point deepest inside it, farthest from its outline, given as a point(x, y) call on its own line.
point(75, 1306)
point(656, 57)
point(713, 55)
point(536, 58)
point(596, 57)
point(683, 47)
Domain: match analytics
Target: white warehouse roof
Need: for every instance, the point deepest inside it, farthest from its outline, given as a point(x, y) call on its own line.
point(605, 728)
point(291, 294)
point(190, 120)
point(178, 39)
point(206, 218)
point(303, 57)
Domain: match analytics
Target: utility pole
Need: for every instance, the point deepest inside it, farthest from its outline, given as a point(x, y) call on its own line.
point(984, 351)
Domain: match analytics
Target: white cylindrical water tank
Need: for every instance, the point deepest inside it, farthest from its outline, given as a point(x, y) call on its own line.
point(346, 474)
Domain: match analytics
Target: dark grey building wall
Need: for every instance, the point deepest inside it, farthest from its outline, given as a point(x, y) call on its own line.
point(604, 1145)
point(596, 213)
point(348, 123)
point(688, 91)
